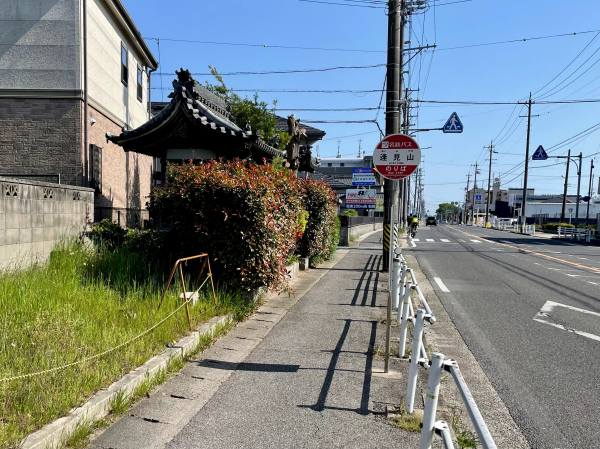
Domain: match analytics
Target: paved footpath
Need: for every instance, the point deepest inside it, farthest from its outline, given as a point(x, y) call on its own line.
point(307, 381)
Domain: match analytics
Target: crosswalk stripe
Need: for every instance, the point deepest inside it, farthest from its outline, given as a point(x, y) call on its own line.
point(475, 241)
point(430, 240)
point(415, 240)
point(445, 240)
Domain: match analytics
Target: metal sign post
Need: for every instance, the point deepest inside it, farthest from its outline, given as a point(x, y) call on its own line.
point(388, 321)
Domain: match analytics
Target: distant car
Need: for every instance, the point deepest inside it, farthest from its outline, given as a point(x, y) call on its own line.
point(430, 221)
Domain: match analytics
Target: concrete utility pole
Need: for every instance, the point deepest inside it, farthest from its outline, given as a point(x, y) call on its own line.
point(524, 203)
point(465, 214)
point(392, 105)
point(487, 204)
point(474, 193)
point(564, 204)
point(579, 167)
point(587, 214)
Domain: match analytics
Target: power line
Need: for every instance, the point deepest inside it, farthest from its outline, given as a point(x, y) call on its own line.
point(568, 65)
point(296, 47)
point(280, 72)
point(517, 40)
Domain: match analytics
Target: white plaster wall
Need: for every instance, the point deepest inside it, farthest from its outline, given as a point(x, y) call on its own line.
point(104, 68)
point(39, 44)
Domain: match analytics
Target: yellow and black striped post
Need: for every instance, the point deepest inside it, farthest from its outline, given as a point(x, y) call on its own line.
point(386, 237)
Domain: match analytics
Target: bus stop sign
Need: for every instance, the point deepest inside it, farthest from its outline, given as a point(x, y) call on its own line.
point(397, 156)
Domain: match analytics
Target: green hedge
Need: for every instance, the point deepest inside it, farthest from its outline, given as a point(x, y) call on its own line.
point(554, 226)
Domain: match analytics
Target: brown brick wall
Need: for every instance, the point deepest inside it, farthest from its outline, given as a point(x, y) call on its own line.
point(126, 176)
point(40, 136)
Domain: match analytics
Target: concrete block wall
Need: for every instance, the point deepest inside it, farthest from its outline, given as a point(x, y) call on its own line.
point(34, 216)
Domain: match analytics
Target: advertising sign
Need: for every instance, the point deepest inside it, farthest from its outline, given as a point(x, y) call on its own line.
point(511, 200)
point(379, 205)
point(363, 177)
point(396, 156)
point(361, 199)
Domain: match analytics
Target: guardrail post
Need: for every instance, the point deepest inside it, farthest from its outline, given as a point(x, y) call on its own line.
point(403, 279)
point(431, 400)
point(396, 283)
point(414, 361)
point(403, 316)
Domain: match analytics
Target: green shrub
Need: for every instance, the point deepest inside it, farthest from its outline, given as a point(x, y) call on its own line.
point(349, 213)
point(107, 234)
point(334, 239)
point(246, 217)
point(554, 226)
point(320, 201)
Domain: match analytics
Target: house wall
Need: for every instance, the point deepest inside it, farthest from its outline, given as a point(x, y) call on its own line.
point(39, 45)
point(34, 216)
point(40, 136)
point(105, 88)
point(126, 176)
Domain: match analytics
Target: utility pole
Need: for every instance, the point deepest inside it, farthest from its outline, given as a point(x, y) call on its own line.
point(474, 193)
point(587, 215)
point(359, 146)
point(524, 203)
point(465, 219)
point(487, 204)
point(579, 167)
point(395, 55)
point(564, 204)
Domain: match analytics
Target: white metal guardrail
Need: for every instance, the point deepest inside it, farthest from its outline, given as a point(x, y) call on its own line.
point(404, 282)
point(430, 426)
point(575, 234)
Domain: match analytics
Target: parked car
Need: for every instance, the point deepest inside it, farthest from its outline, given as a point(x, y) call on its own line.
point(430, 221)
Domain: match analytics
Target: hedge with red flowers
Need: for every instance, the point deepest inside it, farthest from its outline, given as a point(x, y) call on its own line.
point(247, 217)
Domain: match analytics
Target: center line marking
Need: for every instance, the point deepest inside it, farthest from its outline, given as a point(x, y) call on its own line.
point(441, 285)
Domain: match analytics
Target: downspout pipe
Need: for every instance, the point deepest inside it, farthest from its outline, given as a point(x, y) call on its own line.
point(85, 97)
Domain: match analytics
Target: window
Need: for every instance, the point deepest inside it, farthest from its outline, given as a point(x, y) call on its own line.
point(96, 168)
point(329, 164)
point(139, 83)
point(124, 69)
point(342, 164)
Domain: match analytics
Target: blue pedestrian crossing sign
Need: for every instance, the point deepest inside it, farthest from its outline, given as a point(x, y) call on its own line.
point(453, 125)
point(540, 154)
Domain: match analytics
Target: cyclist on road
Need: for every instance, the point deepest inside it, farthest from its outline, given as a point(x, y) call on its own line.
point(414, 223)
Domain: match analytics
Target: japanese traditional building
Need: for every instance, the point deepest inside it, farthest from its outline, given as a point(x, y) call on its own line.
point(197, 124)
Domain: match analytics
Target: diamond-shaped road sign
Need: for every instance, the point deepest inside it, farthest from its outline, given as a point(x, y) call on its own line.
point(540, 154)
point(453, 125)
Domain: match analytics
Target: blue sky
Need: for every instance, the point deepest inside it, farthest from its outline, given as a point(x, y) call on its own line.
point(496, 73)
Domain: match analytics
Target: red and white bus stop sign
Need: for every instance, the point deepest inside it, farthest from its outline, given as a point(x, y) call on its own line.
point(397, 156)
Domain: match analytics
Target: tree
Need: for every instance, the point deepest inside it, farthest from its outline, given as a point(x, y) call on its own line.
point(443, 207)
point(250, 111)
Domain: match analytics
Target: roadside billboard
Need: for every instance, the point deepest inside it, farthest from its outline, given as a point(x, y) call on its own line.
point(361, 199)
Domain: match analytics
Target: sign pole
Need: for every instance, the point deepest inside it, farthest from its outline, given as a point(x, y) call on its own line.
point(389, 303)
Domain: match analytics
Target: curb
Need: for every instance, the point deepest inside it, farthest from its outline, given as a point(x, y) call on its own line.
point(98, 406)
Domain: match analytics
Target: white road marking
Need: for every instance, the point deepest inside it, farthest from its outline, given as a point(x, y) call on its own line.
point(430, 240)
point(461, 240)
point(412, 243)
point(595, 283)
point(441, 285)
point(475, 241)
point(573, 275)
point(544, 314)
point(415, 240)
point(556, 252)
point(506, 241)
point(445, 240)
point(583, 258)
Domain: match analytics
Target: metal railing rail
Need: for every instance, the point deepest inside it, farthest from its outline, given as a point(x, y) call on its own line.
point(404, 282)
point(433, 387)
point(574, 233)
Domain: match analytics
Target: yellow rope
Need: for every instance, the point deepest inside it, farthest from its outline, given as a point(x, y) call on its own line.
point(87, 359)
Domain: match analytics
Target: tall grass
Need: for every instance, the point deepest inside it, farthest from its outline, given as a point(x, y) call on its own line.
point(80, 303)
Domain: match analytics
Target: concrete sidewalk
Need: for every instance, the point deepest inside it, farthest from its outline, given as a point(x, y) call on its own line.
point(304, 376)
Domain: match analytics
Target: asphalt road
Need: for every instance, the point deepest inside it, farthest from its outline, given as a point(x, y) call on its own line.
point(529, 310)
